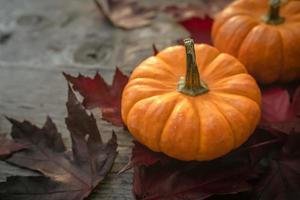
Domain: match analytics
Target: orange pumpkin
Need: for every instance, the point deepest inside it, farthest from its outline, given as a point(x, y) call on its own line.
point(264, 35)
point(191, 118)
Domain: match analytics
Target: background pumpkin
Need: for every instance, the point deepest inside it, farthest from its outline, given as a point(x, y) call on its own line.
point(191, 119)
point(264, 35)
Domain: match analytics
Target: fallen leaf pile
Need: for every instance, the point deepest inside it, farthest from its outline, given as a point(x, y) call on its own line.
point(64, 175)
point(267, 166)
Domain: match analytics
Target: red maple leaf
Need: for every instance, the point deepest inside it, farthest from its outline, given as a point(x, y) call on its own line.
point(64, 175)
point(157, 176)
point(155, 50)
point(97, 93)
point(199, 28)
point(280, 110)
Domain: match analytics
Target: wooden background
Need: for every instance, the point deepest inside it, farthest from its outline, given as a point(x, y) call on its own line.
point(39, 39)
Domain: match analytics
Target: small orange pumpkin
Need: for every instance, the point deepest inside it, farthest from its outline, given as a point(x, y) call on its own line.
point(191, 118)
point(265, 38)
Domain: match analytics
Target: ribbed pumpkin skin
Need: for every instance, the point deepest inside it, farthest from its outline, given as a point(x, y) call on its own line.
point(203, 127)
point(269, 52)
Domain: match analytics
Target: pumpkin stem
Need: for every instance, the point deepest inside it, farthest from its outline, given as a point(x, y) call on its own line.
point(192, 84)
point(273, 17)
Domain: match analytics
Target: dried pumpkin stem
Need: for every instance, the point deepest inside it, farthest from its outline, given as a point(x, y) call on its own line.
point(192, 84)
point(273, 17)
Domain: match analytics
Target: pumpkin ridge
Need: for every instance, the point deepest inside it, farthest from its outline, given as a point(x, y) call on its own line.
point(238, 111)
point(231, 94)
point(243, 40)
point(227, 121)
point(210, 71)
point(198, 119)
point(154, 72)
point(228, 94)
point(169, 95)
point(201, 68)
point(165, 124)
point(167, 64)
point(149, 70)
point(218, 88)
point(181, 103)
point(209, 65)
point(138, 100)
point(166, 85)
point(216, 30)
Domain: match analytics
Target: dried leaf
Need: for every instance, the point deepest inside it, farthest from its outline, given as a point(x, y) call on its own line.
point(296, 101)
point(182, 12)
point(282, 181)
point(155, 50)
point(198, 9)
point(127, 14)
point(65, 176)
point(276, 106)
point(199, 29)
point(9, 146)
point(97, 93)
point(157, 176)
point(279, 111)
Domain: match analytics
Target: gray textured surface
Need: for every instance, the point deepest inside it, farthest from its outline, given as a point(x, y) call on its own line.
point(41, 38)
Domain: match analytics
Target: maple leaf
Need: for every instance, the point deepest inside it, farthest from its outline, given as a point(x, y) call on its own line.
point(155, 50)
point(97, 93)
point(279, 113)
point(127, 14)
point(296, 102)
point(65, 176)
point(9, 146)
point(199, 28)
point(282, 181)
point(142, 156)
point(157, 176)
point(276, 105)
point(197, 19)
point(182, 12)
point(200, 9)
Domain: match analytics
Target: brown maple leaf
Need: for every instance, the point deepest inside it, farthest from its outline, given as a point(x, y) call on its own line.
point(159, 177)
point(198, 9)
point(8, 146)
point(282, 179)
point(65, 176)
point(127, 14)
point(97, 93)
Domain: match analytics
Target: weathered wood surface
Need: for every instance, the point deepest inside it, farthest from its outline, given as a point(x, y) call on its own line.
point(41, 38)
